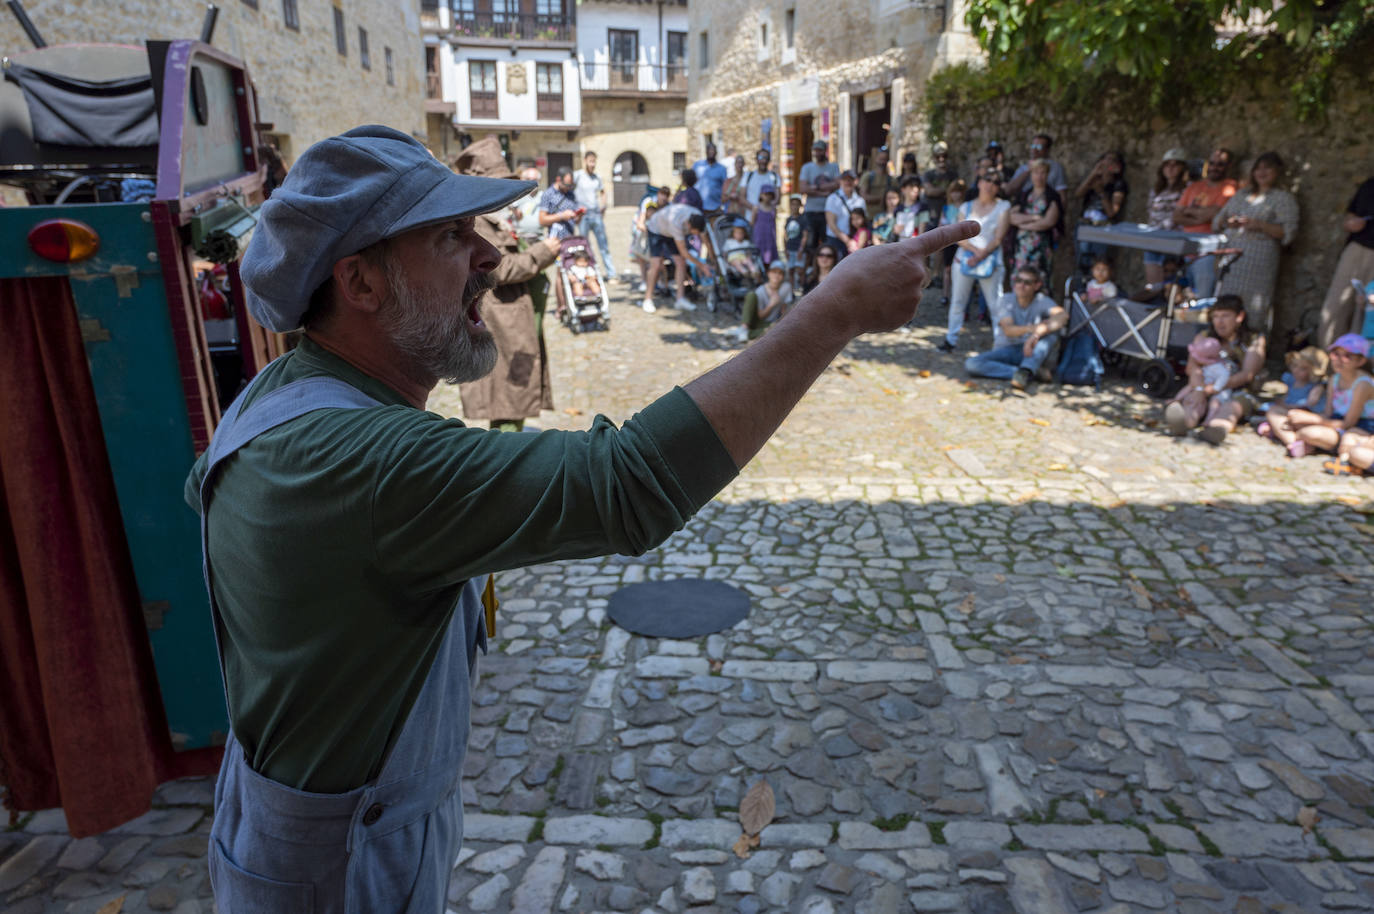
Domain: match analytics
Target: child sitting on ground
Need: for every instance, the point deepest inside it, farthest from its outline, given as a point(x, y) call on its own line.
point(738, 252)
point(1306, 371)
point(1101, 287)
point(1349, 402)
point(583, 277)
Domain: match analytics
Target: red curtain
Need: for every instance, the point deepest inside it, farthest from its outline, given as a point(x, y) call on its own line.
point(81, 719)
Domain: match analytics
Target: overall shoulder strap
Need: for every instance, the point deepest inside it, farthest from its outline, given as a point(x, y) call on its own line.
point(290, 401)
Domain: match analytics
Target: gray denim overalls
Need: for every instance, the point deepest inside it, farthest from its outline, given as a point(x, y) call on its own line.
point(384, 848)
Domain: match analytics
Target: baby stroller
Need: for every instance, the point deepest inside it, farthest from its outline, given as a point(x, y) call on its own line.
point(591, 311)
point(1154, 334)
point(733, 268)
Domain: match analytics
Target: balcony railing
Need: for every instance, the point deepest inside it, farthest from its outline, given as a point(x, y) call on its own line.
point(522, 26)
point(635, 77)
point(433, 86)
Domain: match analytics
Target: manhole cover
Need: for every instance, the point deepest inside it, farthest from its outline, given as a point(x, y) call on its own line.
point(682, 608)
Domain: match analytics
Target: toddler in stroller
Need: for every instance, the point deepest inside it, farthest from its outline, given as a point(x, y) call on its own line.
point(742, 259)
point(583, 303)
point(583, 277)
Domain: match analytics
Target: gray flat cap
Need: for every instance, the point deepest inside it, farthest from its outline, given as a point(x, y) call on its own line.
point(344, 194)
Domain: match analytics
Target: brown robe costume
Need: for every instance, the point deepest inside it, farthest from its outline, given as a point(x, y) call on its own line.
point(519, 386)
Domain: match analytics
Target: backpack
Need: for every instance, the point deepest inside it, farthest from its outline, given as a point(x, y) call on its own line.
point(1080, 362)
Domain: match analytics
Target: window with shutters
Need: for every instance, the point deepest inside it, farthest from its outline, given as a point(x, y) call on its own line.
point(548, 91)
point(482, 88)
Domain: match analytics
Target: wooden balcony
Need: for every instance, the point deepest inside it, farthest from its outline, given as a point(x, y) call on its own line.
point(619, 80)
point(501, 29)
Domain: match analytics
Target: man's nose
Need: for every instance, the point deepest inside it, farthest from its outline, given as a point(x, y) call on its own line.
point(485, 256)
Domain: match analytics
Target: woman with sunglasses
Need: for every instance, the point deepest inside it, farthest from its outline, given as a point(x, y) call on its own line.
point(979, 259)
point(826, 258)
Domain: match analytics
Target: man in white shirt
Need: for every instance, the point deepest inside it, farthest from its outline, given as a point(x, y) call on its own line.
point(590, 192)
point(838, 206)
point(669, 227)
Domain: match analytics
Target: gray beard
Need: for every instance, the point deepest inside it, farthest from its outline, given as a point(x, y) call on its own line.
point(434, 335)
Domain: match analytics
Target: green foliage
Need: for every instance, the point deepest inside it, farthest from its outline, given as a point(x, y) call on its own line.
point(893, 823)
point(1158, 53)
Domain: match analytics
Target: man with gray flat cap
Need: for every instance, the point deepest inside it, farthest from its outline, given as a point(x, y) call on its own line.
point(348, 532)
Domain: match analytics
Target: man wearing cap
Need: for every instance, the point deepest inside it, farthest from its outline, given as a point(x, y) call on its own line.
point(347, 530)
point(838, 206)
point(819, 178)
point(937, 179)
point(519, 386)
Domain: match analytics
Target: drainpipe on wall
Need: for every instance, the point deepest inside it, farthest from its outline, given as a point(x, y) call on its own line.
point(662, 51)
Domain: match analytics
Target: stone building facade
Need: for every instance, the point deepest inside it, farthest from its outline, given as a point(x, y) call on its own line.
point(306, 57)
point(782, 74)
point(556, 81)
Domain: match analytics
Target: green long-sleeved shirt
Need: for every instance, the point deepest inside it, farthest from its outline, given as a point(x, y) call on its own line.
point(339, 542)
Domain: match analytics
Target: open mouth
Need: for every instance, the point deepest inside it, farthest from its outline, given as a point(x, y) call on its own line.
point(475, 316)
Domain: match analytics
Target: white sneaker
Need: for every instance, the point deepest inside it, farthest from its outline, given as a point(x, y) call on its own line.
point(683, 304)
point(648, 306)
point(738, 334)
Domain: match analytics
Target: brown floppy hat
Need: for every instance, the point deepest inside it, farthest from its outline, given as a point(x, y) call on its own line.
point(483, 159)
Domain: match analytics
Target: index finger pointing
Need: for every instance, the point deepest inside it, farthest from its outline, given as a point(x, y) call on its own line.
point(942, 237)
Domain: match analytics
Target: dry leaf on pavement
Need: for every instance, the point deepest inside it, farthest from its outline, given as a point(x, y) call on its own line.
point(1307, 818)
point(1044, 422)
point(742, 846)
point(966, 605)
point(757, 808)
point(113, 906)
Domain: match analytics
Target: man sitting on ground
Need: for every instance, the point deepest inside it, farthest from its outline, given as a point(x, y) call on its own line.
point(1027, 326)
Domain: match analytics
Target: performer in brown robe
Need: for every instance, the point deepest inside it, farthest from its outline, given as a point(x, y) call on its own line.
point(519, 387)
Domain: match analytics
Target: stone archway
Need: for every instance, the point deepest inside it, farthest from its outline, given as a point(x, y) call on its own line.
point(630, 178)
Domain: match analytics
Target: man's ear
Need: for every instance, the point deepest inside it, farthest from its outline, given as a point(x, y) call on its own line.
point(359, 284)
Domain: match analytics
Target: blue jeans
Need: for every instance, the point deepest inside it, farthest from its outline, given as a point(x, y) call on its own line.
point(1203, 275)
point(1001, 363)
point(593, 224)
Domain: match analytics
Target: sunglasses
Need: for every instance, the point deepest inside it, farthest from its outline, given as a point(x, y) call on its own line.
point(1024, 281)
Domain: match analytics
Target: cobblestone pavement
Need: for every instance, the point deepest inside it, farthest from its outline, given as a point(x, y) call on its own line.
point(1007, 652)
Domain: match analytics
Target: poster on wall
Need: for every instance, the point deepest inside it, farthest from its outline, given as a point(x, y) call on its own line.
point(766, 135)
point(825, 124)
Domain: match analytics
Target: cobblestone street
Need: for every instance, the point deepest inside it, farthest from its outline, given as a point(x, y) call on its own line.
point(1006, 653)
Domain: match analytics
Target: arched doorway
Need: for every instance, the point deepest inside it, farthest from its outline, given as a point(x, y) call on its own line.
point(630, 179)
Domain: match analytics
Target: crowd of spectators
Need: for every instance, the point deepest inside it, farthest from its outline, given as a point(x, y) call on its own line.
point(1004, 271)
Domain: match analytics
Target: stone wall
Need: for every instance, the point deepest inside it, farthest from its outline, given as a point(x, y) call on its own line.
point(1325, 163)
point(305, 87)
